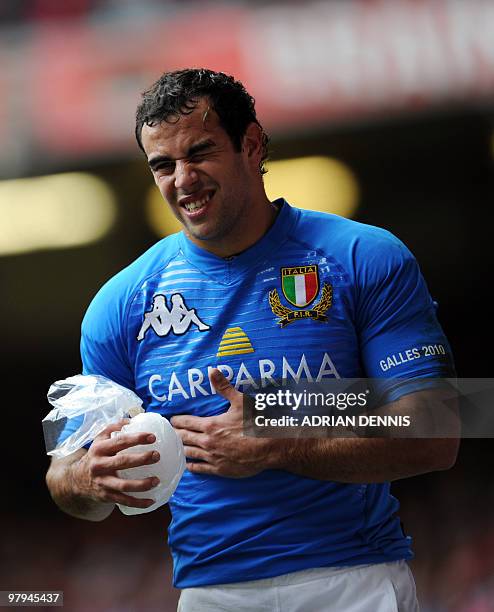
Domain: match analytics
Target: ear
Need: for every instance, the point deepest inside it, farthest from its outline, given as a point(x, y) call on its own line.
point(252, 144)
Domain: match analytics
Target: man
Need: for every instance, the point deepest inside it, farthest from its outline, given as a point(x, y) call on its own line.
point(259, 523)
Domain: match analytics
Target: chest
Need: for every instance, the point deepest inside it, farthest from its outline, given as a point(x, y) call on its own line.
point(277, 323)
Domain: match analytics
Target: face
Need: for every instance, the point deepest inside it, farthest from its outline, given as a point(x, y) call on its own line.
point(207, 184)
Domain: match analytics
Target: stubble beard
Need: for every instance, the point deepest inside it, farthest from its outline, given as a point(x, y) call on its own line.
point(224, 227)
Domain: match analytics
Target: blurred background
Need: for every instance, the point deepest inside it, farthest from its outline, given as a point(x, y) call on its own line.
point(381, 110)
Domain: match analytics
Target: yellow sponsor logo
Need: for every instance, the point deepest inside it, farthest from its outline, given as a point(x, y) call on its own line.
point(234, 342)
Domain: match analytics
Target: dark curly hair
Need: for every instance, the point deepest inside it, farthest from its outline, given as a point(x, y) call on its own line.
point(178, 93)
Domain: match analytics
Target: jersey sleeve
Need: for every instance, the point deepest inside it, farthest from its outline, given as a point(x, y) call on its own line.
point(104, 347)
point(401, 340)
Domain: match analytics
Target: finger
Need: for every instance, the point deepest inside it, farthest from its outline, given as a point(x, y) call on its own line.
point(101, 464)
point(187, 421)
point(199, 454)
point(222, 385)
point(192, 438)
point(109, 490)
point(124, 485)
point(106, 433)
point(123, 461)
point(201, 467)
point(111, 446)
point(128, 500)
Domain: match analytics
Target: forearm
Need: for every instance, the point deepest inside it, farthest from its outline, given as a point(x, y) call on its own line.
point(363, 460)
point(381, 459)
point(68, 496)
point(220, 446)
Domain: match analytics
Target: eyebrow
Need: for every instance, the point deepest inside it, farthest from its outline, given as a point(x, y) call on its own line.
point(199, 147)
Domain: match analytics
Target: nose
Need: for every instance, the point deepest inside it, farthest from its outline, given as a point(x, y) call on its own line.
point(185, 175)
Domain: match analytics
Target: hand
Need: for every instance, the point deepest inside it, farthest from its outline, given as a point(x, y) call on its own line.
point(217, 445)
point(95, 474)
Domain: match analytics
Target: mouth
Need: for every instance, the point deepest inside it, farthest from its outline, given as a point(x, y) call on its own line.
point(195, 205)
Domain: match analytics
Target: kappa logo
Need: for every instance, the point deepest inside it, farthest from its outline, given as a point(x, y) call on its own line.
point(178, 319)
point(300, 286)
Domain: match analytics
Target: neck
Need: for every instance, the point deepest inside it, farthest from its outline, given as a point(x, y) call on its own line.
point(260, 218)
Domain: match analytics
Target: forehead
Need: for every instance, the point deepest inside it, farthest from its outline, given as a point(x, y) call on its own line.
point(175, 136)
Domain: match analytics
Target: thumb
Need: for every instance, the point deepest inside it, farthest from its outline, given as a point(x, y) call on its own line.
point(222, 385)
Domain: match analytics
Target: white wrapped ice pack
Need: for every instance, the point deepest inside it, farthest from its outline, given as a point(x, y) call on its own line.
point(169, 468)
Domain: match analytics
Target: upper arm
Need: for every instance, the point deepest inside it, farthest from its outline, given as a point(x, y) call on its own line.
point(401, 340)
point(104, 344)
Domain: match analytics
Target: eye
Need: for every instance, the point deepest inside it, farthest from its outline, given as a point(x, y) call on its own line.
point(198, 158)
point(165, 168)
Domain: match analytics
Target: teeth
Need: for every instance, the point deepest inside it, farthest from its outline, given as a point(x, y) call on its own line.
point(192, 206)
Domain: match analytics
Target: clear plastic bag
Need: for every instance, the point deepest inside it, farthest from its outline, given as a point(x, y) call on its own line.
point(83, 406)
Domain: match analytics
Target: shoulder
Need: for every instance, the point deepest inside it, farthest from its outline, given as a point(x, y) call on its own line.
point(356, 244)
point(325, 226)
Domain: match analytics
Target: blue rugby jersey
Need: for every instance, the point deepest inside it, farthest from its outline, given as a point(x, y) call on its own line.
point(177, 311)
